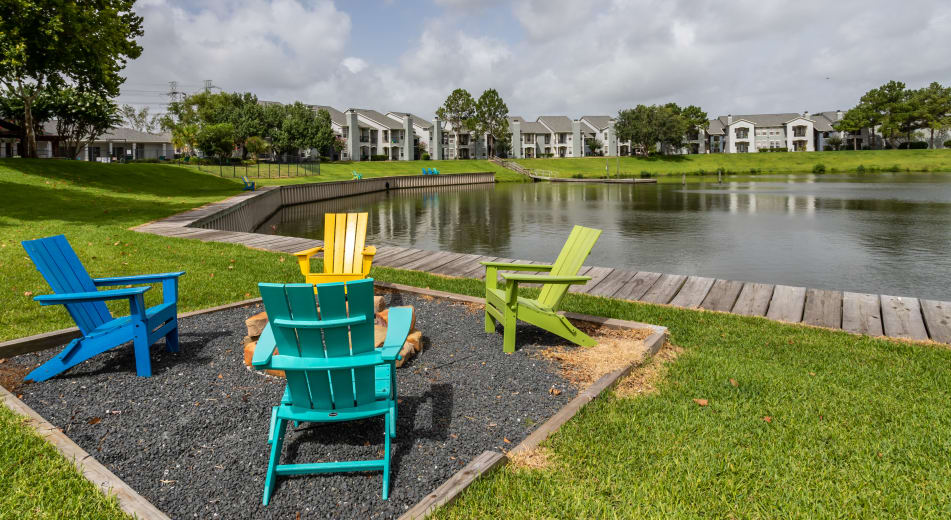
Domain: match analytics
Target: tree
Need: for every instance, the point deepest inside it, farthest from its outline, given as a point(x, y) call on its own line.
point(185, 137)
point(256, 145)
point(934, 105)
point(216, 140)
point(491, 116)
point(694, 119)
point(241, 111)
point(458, 110)
point(892, 108)
point(52, 43)
point(44, 106)
point(635, 125)
point(298, 129)
point(140, 120)
point(325, 141)
point(853, 121)
point(595, 145)
point(82, 116)
point(834, 142)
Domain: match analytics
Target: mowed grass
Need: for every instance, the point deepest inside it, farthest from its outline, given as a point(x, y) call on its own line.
point(742, 163)
point(858, 427)
point(343, 170)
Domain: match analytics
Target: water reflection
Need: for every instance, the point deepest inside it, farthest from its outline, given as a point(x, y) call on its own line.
point(882, 234)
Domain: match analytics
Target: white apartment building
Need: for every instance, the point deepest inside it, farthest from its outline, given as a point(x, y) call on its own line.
point(753, 133)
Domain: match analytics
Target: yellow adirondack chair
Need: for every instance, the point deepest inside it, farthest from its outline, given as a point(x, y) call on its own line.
point(345, 257)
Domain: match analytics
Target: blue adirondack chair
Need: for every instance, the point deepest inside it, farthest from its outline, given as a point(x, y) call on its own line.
point(74, 288)
point(433, 171)
point(248, 185)
point(425, 172)
point(333, 371)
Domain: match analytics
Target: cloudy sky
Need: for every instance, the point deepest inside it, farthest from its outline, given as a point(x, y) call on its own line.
point(544, 56)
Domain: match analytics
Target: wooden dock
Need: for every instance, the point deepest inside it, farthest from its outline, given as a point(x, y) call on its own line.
point(860, 313)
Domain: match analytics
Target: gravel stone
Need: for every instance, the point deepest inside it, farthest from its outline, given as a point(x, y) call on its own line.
point(192, 439)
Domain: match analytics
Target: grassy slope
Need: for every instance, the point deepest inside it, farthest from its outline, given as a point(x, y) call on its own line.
point(342, 171)
point(789, 162)
point(656, 455)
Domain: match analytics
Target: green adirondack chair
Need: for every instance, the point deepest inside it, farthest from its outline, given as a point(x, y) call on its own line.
point(333, 371)
point(505, 305)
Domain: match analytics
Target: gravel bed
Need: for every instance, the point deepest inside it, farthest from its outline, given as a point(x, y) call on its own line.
point(192, 438)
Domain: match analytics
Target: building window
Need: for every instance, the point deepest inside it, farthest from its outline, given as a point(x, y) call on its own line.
point(547, 138)
point(742, 133)
point(799, 131)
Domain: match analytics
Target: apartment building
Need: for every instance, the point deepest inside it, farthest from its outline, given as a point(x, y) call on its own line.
point(761, 132)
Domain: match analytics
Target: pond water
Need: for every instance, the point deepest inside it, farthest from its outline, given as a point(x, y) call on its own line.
point(887, 234)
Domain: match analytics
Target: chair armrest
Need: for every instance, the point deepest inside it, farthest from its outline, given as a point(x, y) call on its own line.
point(369, 250)
point(367, 359)
point(518, 267)
point(94, 296)
point(307, 253)
point(544, 278)
point(264, 350)
point(142, 278)
point(398, 321)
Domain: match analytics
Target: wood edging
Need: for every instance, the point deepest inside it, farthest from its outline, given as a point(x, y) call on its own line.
point(129, 500)
point(48, 340)
point(490, 460)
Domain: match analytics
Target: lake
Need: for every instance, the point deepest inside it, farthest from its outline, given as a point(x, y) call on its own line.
point(882, 233)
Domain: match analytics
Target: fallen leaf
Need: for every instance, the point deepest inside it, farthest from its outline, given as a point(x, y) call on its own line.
point(733, 383)
point(94, 420)
point(230, 267)
point(212, 275)
point(554, 391)
point(506, 441)
point(812, 373)
point(116, 244)
point(247, 295)
point(879, 454)
point(282, 259)
point(28, 293)
point(767, 418)
point(232, 260)
point(219, 376)
point(701, 402)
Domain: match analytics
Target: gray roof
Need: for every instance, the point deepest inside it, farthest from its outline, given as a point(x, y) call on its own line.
point(416, 119)
point(824, 121)
point(598, 122)
point(560, 124)
point(716, 127)
point(134, 136)
point(528, 127)
point(764, 119)
point(335, 115)
point(378, 118)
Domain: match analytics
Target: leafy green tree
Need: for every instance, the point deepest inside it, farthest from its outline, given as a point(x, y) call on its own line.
point(853, 121)
point(298, 130)
point(44, 106)
point(140, 120)
point(82, 116)
point(934, 105)
point(216, 140)
point(325, 141)
point(185, 137)
point(256, 145)
point(458, 111)
point(834, 142)
point(636, 125)
point(893, 108)
point(51, 43)
point(694, 119)
point(595, 145)
point(241, 111)
point(491, 116)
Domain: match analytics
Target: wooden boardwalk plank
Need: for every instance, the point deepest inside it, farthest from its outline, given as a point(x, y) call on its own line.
point(938, 319)
point(787, 303)
point(382, 253)
point(612, 283)
point(901, 318)
point(459, 265)
point(408, 259)
point(823, 308)
point(438, 261)
point(391, 259)
point(753, 299)
point(478, 270)
point(722, 295)
point(862, 313)
point(433, 258)
point(664, 290)
point(597, 274)
point(694, 290)
point(638, 286)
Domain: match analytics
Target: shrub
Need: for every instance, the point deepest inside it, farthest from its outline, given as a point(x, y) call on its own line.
point(646, 174)
point(947, 144)
point(819, 168)
point(893, 169)
point(378, 157)
point(578, 176)
point(860, 169)
point(914, 145)
point(424, 157)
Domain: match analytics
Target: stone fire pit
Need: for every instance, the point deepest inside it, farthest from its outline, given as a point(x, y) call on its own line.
point(414, 342)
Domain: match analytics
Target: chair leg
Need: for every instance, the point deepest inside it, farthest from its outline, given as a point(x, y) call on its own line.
point(270, 477)
point(508, 336)
point(59, 363)
point(140, 342)
point(393, 405)
point(171, 340)
point(490, 322)
point(386, 458)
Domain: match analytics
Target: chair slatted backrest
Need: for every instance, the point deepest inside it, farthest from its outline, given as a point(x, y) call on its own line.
point(573, 254)
point(324, 389)
point(57, 262)
point(345, 235)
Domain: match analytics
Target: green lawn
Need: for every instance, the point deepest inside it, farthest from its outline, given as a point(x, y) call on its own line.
point(343, 170)
point(788, 162)
point(858, 427)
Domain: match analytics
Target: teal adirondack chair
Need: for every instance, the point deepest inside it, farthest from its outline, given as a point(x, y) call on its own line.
point(333, 371)
point(505, 305)
point(74, 288)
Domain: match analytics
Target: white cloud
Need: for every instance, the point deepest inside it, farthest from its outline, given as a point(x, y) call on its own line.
point(563, 57)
